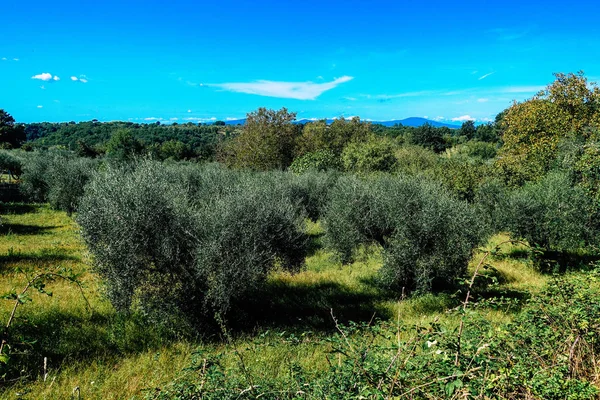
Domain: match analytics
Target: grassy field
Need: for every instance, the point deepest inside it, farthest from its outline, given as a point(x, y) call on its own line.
point(97, 354)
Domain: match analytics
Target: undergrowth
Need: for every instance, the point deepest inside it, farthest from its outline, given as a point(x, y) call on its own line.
point(549, 351)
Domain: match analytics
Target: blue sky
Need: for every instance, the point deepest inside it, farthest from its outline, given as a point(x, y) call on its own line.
point(195, 61)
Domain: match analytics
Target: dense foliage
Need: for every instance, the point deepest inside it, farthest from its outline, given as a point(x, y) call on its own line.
point(553, 214)
point(427, 235)
point(547, 352)
point(534, 129)
point(11, 134)
point(187, 241)
point(57, 177)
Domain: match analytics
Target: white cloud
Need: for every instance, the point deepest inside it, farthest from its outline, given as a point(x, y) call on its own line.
point(483, 100)
point(82, 79)
point(463, 118)
point(42, 87)
point(173, 119)
point(15, 59)
point(406, 94)
point(3, 58)
point(438, 118)
point(286, 90)
point(189, 111)
point(40, 106)
point(46, 77)
point(196, 119)
point(485, 76)
point(153, 119)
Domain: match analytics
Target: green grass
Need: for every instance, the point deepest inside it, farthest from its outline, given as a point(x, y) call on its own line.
point(108, 356)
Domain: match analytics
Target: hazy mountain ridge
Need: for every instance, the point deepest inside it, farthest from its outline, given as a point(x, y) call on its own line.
point(411, 121)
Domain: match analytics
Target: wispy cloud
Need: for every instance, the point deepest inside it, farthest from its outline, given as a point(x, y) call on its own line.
point(286, 90)
point(483, 100)
point(521, 89)
point(81, 78)
point(485, 76)
point(463, 118)
point(40, 106)
point(46, 77)
point(406, 94)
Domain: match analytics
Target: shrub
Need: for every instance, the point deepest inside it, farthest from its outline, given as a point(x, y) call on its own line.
point(373, 155)
point(552, 214)
point(11, 163)
point(58, 177)
point(549, 351)
point(427, 235)
point(139, 230)
point(186, 240)
point(492, 202)
point(474, 149)
point(34, 183)
point(462, 176)
point(66, 181)
point(320, 160)
point(414, 160)
point(243, 236)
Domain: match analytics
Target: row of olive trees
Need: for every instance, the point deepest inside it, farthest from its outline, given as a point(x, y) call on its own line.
point(57, 177)
point(190, 239)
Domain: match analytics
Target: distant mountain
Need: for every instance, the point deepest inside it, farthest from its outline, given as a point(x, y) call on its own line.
point(416, 121)
point(241, 121)
point(412, 121)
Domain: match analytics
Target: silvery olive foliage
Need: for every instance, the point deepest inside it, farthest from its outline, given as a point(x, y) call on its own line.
point(427, 235)
point(553, 214)
point(198, 237)
point(58, 177)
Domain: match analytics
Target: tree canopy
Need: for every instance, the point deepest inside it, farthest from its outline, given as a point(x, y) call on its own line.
point(534, 129)
point(11, 134)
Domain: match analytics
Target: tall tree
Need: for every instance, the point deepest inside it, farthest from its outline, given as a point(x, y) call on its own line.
point(267, 141)
point(468, 129)
point(123, 145)
point(11, 134)
point(318, 135)
point(534, 129)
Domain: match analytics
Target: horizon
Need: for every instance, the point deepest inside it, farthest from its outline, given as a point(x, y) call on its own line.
point(148, 62)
